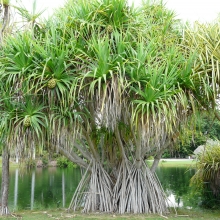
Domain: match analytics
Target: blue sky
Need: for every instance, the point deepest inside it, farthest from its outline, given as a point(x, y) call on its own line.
point(187, 10)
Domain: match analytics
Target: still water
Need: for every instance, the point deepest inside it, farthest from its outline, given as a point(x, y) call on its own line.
point(175, 182)
point(54, 187)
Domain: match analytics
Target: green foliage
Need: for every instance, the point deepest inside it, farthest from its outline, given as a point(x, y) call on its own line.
point(205, 126)
point(150, 158)
point(45, 158)
point(167, 154)
point(30, 163)
point(63, 162)
point(126, 69)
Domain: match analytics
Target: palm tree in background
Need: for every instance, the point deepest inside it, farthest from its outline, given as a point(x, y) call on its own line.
point(5, 151)
point(9, 103)
point(5, 19)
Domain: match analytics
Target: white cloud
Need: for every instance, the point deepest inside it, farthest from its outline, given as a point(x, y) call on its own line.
point(191, 10)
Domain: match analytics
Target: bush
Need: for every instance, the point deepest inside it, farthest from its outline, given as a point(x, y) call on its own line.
point(63, 162)
point(207, 177)
point(30, 163)
point(44, 158)
point(150, 158)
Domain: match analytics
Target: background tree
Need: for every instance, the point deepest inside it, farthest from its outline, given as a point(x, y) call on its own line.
point(4, 9)
point(8, 104)
point(205, 127)
point(5, 152)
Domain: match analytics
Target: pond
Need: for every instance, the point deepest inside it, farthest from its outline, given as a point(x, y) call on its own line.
point(54, 187)
point(175, 182)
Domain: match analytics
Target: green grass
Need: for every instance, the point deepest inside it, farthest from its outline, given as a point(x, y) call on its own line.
point(164, 163)
point(176, 163)
point(179, 163)
point(12, 164)
point(62, 214)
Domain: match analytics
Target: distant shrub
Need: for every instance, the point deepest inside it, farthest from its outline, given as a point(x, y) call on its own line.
point(63, 162)
point(45, 158)
point(30, 163)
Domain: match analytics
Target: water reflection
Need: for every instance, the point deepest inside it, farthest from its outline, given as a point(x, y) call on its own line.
point(63, 189)
point(32, 189)
point(42, 188)
point(172, 201)
point(54, 187)
point(16, 188)
point(175, 181)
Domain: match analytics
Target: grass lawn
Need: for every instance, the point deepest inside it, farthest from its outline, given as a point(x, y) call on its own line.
point(163, 162)
point(179, 163)
point(62, 214)
point(173, 163)
point(12, 164)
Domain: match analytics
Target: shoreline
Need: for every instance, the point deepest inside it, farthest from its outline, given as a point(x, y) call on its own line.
point(162, 162)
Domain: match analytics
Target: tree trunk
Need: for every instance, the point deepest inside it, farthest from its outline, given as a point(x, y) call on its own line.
point(5, 22)
point(156, 161)
point(5, 151)
point(5, 181)
point(136, 190)
point(158, 157)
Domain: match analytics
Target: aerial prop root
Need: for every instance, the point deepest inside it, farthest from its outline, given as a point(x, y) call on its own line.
point(137, 190)
point(94, 191)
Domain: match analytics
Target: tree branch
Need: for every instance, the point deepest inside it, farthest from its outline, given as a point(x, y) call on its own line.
point(5, 21)
point(158, 157)
point(73, 157)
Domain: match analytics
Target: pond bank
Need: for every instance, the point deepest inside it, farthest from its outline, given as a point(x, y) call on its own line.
point(175, 162)
point(163, 162)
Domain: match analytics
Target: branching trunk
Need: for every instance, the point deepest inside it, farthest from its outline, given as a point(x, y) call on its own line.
point(156, 161)
point(91, 144)
point(120, 144)
point(73, 158)
point(5, 22)
point(94, 191)
point(83, 151)
point(135, 190)
point(5, 153)
point(138, 191)
point(158, 156)
point(5, 181)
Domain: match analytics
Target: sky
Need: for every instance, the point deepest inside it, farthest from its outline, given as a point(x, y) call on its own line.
point(187, 10)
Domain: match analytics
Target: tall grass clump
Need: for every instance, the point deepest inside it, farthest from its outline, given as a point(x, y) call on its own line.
point(207, 177)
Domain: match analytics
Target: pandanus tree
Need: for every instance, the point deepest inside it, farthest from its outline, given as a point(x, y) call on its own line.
point(5, 19)
point(106, 85)
point(8, 102)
